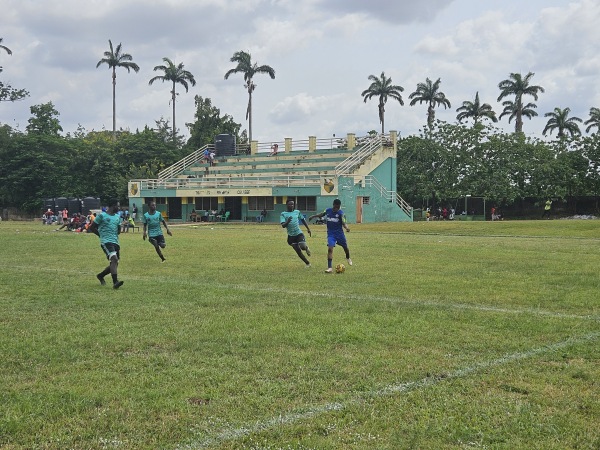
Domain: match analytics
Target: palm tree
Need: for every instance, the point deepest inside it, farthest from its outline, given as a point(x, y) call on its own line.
point(560, 120)
point(114, 58)
point(429, 92)
point(594, 120)
point(518, 86)
point(475, 110)
point(511, 109)
point(245, 66)
point(6, 49)
point(174, 74)
point(382, 88)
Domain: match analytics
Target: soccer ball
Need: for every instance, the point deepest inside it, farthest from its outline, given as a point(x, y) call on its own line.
point(340, 268)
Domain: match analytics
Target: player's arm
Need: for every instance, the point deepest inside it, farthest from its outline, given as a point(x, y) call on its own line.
point(164, 222)
point(307, 227)
point(145, 230)
point(344, 224)
point(94, 228)
point(285, 223)
point(320, 215)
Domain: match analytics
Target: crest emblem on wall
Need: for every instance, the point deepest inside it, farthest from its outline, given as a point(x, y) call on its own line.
point(328, 185)
point(133, 189)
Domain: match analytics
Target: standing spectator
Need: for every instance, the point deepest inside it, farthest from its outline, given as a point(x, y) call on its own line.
point(547, 207)
point(336, 224)
point(107, 226)
point(290, 220)
point(65, 216)
point(152, 221)
point(134, 212)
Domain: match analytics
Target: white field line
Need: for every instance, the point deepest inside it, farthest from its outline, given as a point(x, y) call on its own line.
point(372, 298)
point(293, 417)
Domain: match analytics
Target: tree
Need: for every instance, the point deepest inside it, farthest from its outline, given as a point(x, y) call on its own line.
point(245, 66)
point(594, 120)
point(7, 92)
point(511, 110)
point(429, 93)
point(476, 111)
point(209, 123)
point(519, 87)
point(176, 74)
point(5, 48)
point(44, 120)
point(382, 88)
point(560, 120)
point(114, 58)
point(10, 94)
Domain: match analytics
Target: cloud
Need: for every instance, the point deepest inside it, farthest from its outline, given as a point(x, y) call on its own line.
point(398, 11)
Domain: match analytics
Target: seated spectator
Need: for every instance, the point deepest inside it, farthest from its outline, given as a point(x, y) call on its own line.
point(261, 216)
point(274, 149)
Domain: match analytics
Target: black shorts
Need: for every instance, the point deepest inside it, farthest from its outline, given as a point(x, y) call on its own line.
point(110, 248)
point(160, 240)
point(295, 240)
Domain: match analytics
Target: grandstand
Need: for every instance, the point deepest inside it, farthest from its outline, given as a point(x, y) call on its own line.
point(360, 171)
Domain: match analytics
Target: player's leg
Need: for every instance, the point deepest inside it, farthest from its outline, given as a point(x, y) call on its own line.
point(155, 242)
point(330, 245)
point(294, 241)
point(341, 241)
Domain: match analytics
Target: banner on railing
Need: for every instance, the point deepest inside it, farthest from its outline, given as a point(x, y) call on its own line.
point(329, 186)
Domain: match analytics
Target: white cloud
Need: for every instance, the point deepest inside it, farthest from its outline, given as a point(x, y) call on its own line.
point(322, 52)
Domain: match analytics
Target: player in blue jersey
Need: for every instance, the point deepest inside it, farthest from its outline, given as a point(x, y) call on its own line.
point(336, 224)
point(107, 225)
point(291, 220)
point(152, 221)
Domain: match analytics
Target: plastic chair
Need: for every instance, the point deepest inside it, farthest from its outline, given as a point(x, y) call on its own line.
point(225, 217)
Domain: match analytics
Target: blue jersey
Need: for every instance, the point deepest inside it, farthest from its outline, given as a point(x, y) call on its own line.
point(293, 228)
point(334, 221)
point(108, 227)
point(153, 222)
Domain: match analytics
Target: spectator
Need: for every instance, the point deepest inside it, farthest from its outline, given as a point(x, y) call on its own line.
point(262, 215)
point(274, 149)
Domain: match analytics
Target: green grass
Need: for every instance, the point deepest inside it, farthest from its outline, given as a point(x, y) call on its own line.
point(441, 335)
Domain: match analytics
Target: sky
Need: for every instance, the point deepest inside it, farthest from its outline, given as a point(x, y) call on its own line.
point(322, 51)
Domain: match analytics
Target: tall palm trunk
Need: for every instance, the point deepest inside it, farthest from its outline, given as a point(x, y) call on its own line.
point(173, 100)
point(114, 83)
point(249, 114)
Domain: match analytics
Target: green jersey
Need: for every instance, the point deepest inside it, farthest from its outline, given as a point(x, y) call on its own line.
point(293, 228)
point(153, 221)
point(108, 227)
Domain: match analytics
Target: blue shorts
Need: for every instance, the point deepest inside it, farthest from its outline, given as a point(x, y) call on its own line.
point(338, 238)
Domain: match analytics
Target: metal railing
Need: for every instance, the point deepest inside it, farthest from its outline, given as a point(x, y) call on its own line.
point(360, 155)
point(391, 196)
point(238, 182)
point(181, 165)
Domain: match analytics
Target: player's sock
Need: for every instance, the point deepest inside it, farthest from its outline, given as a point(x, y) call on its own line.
point(101, 279)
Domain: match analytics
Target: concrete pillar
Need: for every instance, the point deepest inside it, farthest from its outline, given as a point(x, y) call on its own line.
point(351, 138)
point(288, 145)
point(394, 138)
point(312, 143)
point(253, 147)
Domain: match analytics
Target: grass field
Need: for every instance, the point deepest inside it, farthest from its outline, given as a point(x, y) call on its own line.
point(440, 336)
